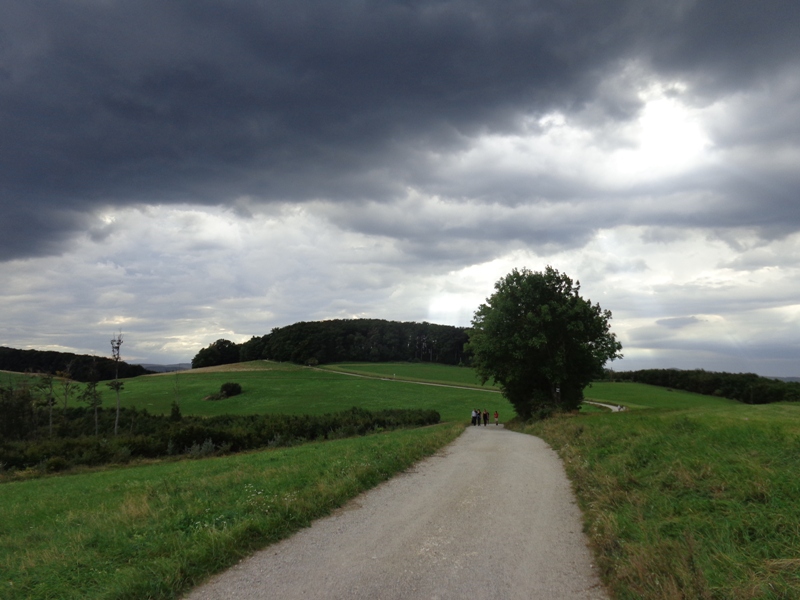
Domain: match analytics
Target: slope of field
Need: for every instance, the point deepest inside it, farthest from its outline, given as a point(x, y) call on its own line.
point(424, 372)
point(291, 389)
point(640, 395)
point(686, 496)
point(13, 378)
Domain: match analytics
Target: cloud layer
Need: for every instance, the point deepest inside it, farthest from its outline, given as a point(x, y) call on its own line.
point(194, 170)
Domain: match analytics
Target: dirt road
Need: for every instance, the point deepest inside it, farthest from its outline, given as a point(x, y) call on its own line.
point(490, 517)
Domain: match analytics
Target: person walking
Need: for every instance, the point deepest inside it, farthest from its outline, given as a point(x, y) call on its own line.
point(496, 417)
point(485, 417)
point(474, 416)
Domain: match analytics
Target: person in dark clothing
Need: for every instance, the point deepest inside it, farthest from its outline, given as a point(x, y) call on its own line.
point(485, 417)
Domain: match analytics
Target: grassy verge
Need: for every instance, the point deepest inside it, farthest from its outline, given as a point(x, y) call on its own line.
point(154, 531)
point(697, 502)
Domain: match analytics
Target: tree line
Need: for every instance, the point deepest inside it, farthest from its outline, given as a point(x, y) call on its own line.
point(343, 340)
point(744, 387)
point(81, 367)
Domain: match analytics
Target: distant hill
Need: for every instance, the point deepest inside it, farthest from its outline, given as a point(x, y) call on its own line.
point(166, 368)
point(744, 387)
point(340, 340)
point(81, 367)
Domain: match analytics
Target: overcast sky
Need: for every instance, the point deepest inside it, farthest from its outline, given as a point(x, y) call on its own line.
point(192, 170)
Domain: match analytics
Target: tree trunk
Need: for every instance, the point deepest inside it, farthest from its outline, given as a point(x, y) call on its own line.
point(116, 420)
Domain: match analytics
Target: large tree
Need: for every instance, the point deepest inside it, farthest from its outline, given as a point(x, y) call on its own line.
point(540, 340)
point(221, 352)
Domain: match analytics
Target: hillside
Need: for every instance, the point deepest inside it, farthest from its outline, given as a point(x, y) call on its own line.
point(345, 340)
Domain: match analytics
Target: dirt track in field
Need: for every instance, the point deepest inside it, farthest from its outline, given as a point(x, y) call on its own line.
point(490, 517)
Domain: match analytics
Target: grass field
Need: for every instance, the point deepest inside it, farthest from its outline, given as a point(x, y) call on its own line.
point(639, 395)
point(426, 372)
point(687, 496)
point(684, 496)
point(11, 378)
point(291, 389)
point(153, 531)
point(150, 531)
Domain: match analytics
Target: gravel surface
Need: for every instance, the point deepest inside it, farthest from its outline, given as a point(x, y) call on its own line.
point(492, 516)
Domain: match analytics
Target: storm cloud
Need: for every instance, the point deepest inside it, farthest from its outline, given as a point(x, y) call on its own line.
point(195, 169)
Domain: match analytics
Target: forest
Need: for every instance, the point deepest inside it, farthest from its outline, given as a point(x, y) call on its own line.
point(79, 367)
point(748, 388)
point(344, 340)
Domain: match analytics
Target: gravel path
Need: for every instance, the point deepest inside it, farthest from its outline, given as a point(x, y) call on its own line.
point(611, 407)
point(490, 517)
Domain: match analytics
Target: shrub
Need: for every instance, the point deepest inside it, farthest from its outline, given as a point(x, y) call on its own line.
point(55, 464)
point(207, 448)
point(159, 435)
point(122, 455)
point(230, 389)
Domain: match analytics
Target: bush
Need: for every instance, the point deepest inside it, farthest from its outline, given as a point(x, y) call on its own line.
point(153, 436)
point(207, 448)
point(230, 389)
point(56, 464)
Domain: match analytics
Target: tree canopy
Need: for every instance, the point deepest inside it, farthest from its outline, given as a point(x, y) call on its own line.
point(339, 340)
point(221, 352)
point(542, 342)
point(744, 387)
point(82, 367)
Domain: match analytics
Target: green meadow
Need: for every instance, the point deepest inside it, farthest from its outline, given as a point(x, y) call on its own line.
point(638, 396)
point(686, 496)
point(154, 531)
point(423, 372)
point(10, 378)
point(290, 389)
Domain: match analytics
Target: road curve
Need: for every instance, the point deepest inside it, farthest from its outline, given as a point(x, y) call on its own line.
point(492, 516)
point(611, 407)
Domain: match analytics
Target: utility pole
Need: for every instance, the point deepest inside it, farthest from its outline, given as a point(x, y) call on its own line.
point(116, 385)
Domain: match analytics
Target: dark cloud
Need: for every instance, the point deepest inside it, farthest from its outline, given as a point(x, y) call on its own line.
point(113, 103)
point(725, 45)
